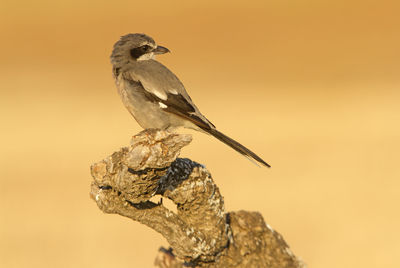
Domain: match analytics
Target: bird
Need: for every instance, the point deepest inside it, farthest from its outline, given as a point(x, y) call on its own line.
point(154, 95)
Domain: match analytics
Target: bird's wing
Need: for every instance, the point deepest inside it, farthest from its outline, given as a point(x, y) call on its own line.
point(163, 88)
point(160, 86)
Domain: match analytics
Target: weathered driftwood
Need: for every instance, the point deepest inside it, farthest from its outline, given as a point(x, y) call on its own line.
point(200, 233)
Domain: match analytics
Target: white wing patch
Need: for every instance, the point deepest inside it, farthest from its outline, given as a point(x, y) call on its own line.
point(159, 94)
point(162, 105)
point(149, 87)
point(173, 91)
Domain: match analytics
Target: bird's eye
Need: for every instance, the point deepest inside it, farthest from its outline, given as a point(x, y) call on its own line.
point(139, 51)
point(145, 48)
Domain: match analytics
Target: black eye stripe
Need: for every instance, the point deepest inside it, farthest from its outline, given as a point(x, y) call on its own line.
point(145, 47)
point(139, 51)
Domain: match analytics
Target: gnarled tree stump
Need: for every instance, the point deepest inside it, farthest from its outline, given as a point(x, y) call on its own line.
point(201, 233)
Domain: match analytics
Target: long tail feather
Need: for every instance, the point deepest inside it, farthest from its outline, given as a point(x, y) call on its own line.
point(236, 146)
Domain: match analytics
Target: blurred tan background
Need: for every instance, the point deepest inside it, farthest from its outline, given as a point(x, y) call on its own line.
point(311, 86)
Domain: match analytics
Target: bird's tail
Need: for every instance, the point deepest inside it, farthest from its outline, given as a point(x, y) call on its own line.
point(236, 146)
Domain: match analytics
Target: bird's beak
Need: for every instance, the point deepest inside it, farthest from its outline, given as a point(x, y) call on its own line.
point(161, 50)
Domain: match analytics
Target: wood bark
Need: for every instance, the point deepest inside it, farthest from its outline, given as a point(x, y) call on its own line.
point(201, 233)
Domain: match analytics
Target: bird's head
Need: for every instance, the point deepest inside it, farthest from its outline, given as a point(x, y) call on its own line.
point(135, 47)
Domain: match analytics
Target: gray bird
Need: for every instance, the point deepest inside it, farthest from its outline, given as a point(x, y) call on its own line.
point(154, 95)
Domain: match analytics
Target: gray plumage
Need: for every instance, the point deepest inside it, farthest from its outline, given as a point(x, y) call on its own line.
point(154, 95)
